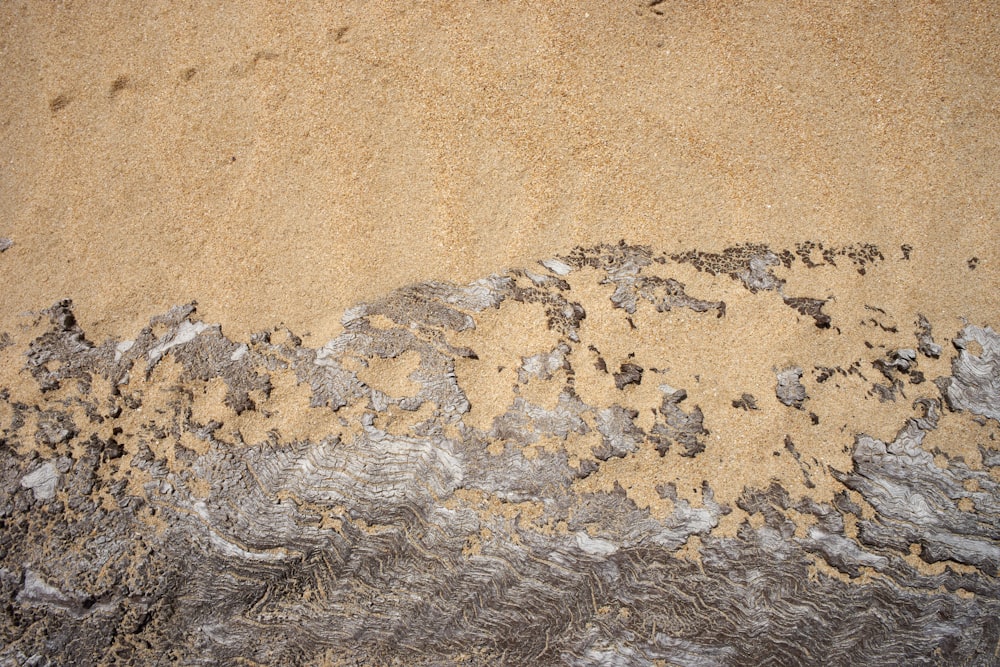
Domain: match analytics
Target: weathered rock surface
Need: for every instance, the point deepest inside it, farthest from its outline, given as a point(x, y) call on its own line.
point(142, 522)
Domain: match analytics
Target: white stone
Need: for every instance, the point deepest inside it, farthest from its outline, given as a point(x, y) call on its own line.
point(557, 267)
point(42, 481)
point(595, 546)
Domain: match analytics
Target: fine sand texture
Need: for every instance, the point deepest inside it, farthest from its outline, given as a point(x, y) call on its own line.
point(495, 333)
point(278, 164)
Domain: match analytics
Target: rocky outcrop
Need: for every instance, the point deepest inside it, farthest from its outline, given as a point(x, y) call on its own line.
point(155, 506)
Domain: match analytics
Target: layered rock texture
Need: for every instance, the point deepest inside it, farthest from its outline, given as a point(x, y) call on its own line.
point(540, 467)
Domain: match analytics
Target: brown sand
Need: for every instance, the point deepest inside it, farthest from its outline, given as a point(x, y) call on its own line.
point(279, 164)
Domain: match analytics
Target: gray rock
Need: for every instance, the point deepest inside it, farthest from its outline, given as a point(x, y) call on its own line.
point(789, 389)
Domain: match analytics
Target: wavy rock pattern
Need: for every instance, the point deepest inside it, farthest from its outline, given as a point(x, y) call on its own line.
point(138, 528)
point(975, 383)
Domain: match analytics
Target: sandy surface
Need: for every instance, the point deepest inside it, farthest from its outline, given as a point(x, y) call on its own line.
point(281, 164)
